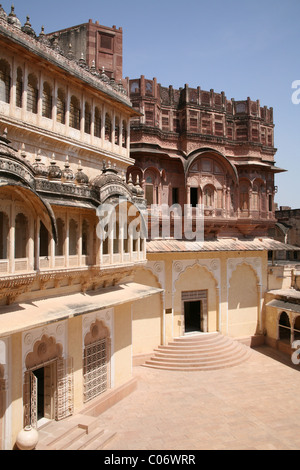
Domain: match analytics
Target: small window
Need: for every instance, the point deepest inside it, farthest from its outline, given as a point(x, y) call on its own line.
point(149, 194)
point(61, 107)
point(59, 247)
point(44, 241)
point(4, 81)
point(47, 101)
point(194, 196)
point(73, 237)
point(108, 128)
point(97, 125)
point(175, 195)
point(117, 131)
point(21, 236)
point(208, 197)
point(270, 203)
point(87, 119)
point(75, 113)
point(106, 42)
point(32, 94)
point(244, 197)
point(85, 238)
point(19, 88)
point(124, 134)
point(4, 230)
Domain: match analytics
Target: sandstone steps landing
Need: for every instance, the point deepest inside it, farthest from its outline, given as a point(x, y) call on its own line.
point(76, 433)
point(203, 351)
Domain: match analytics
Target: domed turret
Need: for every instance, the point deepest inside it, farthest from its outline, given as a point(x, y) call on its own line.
point(68, 174)
point(12, 18)
point(108, 176)
point(81, 177)
point(55, 172)
point(28, 29)
point(40, 169)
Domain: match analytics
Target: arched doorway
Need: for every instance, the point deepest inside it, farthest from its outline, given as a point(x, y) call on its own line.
point(284, 327)
point(195, 311)
point(48, 383)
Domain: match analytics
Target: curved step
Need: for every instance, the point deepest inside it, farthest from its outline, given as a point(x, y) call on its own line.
point(196, 356)
point(200, 367)
point(199, 352)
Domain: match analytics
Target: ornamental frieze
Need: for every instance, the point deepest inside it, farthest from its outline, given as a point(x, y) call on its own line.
point(112, 189)
point(8, 166)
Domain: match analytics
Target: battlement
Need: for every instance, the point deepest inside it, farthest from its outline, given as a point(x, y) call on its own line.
point(169, 96)
point(197, 111)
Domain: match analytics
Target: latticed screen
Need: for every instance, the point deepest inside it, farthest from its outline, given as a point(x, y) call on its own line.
point(95, 369)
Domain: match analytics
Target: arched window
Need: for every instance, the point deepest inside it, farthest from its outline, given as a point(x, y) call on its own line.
point(4, 81)
point(61, 106)
point(44, 240)
point(244, 197)
point(59, 247)
point(75, 113)
point(117, 131)
point(108, 127)
point(21, 236)
point(47, 101)
point(85, 238)
point(255, 197)
point(32, 94)
point(105, 247)
point(208, 196)
point(149, 190)
point(270, 205)
point(116, 238)
point(4, 229)
point(284, 327)
point(19, 88)
point(124, 134)
point(72, 238)
point(97, 126)
point(87, 118)
point(297, 329)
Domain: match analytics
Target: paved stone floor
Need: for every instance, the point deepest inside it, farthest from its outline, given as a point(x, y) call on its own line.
point(252, 406)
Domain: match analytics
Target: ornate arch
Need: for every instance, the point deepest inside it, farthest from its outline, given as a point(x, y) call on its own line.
point(44, 350)
point(157, 268)
point(211, 265)
point(210, 152)
point(98, 331)
point(253, 263)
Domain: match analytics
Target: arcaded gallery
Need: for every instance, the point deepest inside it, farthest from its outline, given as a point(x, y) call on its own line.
point(79, 311)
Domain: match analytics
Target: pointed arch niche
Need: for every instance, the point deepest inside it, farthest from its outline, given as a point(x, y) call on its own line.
point(48, 375)
point(244, 297)
point(202, 277)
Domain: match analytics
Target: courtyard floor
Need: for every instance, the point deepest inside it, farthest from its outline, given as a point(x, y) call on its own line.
point(253, 406)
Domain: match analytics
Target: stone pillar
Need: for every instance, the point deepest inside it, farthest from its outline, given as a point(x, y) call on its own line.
point(11, 249)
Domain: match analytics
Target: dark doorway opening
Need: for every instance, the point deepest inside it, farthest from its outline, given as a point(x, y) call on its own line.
point(194, 196)
point(192, 316)
point(40, 375)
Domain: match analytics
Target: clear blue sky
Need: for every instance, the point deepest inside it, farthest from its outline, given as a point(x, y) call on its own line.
point(242, 48)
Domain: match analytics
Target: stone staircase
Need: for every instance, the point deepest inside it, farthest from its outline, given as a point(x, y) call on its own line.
point(80, 432)
point(203, 351)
